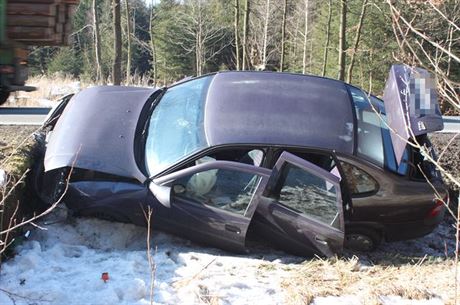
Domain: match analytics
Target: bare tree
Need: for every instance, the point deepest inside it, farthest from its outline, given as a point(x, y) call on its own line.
point(328, 36)
point(237, 34)
point(128, 39)
point(435, 55)
point(304, 61)
point(97, 43)
point(342, 39)
point(293, 29)
point(204, 37)
point(245, 34)
point(267, 17)
point(116, 73)
point(152, 44)
point(283, 35)
point(357, 37)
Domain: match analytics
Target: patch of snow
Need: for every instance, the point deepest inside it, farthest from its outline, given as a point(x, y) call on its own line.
point(3, 177)
point(62, 90)
point(63, 264)
point(440, 243)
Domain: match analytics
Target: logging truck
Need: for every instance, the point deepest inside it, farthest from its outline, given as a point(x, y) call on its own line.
point(25, 23)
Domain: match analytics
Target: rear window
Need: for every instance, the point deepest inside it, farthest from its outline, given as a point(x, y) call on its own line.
point(374, 141)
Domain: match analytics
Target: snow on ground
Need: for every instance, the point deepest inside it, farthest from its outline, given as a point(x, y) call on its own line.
point(64, 263)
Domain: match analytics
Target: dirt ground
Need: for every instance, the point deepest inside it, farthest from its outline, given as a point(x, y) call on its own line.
point(448, 148)
point(12, 140)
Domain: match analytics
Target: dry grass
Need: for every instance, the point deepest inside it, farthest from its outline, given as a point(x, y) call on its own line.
point(16, 145)
point(338, 277)
point(52, 88)
point(49, 88)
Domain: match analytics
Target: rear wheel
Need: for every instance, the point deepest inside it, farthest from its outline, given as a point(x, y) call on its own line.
point(362, 239)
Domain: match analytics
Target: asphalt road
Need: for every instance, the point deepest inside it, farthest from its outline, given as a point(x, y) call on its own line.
point(23, 116)
point(36, 116)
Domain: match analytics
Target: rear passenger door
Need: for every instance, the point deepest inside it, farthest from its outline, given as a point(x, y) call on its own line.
point(300, 209)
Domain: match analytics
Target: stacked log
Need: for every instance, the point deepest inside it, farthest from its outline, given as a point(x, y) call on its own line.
point(40, 22)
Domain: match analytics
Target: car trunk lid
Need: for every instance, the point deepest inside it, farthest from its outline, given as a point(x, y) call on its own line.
point(411, 106)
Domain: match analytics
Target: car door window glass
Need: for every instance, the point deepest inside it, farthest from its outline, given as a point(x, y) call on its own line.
point(359, 182)
point(325, 161)
point(225, 189)
point(251, 157)
point(309, 194)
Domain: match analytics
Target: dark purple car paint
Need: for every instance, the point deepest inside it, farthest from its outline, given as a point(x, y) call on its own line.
point(411, 105)
point(97, 130)
point(258, 108)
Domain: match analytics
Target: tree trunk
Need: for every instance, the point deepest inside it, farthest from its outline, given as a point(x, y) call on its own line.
point(342, 39)
point(97, 44)
point(116, 73)
point(371, 77)
point(264, 50)
point(128, 34)
point(245, 35)
point(152, 47)
point(328, 36)
point(357, 37)
point(199, 48)
point(283, 36)
point(304, 61)
point(295, 46)
point(237, 38)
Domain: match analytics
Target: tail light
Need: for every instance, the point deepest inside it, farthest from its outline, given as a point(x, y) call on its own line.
point(438, 206)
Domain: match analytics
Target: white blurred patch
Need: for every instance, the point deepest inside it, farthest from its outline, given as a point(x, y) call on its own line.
point(3, 178)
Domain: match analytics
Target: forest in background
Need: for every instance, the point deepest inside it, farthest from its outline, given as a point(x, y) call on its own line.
point(122, 41)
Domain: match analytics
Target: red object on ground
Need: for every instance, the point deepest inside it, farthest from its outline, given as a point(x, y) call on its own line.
point(105, 276)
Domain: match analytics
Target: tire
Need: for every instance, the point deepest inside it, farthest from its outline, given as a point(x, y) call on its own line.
point(4, 95)
point(362, 239)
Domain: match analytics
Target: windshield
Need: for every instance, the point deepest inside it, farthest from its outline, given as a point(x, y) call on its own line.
point(374, 140)
point(176, 126)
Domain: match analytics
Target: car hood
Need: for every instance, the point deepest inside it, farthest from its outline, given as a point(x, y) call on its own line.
point(96, 131)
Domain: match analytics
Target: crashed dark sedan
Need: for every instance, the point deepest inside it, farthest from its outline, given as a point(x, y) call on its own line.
point(302, 162)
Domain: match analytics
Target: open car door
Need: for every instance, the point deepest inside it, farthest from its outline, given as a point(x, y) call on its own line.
point(211, 202)
point(301, 209)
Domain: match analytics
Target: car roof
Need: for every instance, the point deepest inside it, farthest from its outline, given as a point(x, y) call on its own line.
point(250, 107)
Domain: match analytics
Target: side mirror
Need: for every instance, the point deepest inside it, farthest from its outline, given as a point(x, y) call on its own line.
point(161, 193)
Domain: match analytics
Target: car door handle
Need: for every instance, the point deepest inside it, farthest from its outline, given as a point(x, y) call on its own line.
point(320, 240)
point(233, 229)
